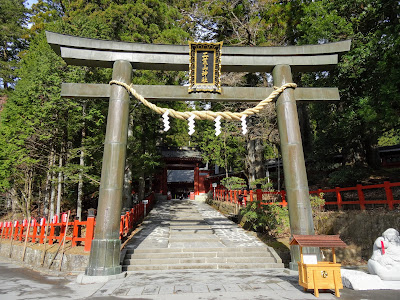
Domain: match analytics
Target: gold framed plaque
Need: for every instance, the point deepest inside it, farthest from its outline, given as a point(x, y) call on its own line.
point(205, 67)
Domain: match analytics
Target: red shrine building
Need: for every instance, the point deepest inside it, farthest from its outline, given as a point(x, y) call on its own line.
point(184, 173)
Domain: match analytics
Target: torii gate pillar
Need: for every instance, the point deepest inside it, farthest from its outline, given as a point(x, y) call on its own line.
point(294, 168)
point(105, 252)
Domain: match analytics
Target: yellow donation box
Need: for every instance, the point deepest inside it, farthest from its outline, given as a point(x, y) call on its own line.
point(315, 274)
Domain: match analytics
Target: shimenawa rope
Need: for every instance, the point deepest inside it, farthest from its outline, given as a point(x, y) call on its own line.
point(206, 114)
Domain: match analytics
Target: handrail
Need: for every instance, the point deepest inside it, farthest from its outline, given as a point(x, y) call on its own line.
point(17, 231)
point(222, 194)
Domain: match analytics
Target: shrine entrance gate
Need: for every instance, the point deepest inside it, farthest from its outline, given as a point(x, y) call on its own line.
point(124, 57)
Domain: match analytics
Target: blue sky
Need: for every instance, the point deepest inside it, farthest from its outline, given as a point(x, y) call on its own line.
point(30, 2)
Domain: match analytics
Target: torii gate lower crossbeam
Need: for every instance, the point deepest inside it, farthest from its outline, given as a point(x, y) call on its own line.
point(104, 256)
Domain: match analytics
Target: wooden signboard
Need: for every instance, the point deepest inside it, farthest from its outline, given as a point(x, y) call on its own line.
point(205, 67)
point(315, 274)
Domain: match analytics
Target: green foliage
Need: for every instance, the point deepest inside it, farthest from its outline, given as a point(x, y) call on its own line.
point(389, 138)
point(369, 103)
point(226, 150)
point(317, 202)
point(36, 121)
point(13, 19)
point(233, 183)
point(348, 175)
point(265, 185)
point(37, 126)
point(265, 218)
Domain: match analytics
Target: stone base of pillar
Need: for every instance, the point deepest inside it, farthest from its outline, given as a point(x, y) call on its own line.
point(85, 279)
point(104, 258)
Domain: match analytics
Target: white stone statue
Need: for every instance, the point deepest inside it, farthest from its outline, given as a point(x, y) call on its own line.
point(385, 260)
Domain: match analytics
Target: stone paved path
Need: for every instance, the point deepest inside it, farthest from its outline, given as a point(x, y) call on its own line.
point(178, 217)
point(183, 225)
point(184, 234)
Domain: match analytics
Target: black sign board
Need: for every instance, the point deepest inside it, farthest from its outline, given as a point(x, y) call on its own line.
point(205, 67)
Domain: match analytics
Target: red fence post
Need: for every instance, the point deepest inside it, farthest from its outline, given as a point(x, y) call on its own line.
point(51, 235)
point(361, 196)
point(21, 232)
point(131, 218)
point(251, 196)
point(89, 233)
point(75, 232)
point(283, 195)
point(34, 233)
point(16, 226)
point(389, 195)
point(244, 197)
point(338, 198)
point(121, 227)
point(259, 197)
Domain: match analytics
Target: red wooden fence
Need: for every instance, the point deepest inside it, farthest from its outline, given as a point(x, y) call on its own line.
point(56, 230)
point(360, 195)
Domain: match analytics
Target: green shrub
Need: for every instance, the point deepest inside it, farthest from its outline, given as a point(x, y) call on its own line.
point(317, 203)
point(233, 183)
point(265, 185)
point(266, 218)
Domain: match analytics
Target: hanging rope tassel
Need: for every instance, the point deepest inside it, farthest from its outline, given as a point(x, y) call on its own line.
point(191, 124)
point(244, 124)
point(166, 120)
point(217, 125)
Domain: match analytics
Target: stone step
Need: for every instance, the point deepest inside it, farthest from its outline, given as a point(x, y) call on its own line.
point(203, 266)
point(199, 238)
point(189, 226)
point(199, 260)
point(196, 254)
point(205, 249)
point(191, 231)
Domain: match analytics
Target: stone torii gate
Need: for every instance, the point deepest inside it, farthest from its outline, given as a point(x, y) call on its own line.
point(123, 57)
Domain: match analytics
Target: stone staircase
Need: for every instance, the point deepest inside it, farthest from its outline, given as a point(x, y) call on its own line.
point(191, 235)
point(201, 258)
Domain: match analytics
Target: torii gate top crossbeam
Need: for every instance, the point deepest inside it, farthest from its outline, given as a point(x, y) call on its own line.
point(100, 53)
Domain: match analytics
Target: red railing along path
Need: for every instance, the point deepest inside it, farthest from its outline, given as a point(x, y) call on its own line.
point(56, 228)
point(339, 197)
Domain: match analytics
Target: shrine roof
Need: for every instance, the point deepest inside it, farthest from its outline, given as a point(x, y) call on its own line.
point(325, 241)
point(182, 153)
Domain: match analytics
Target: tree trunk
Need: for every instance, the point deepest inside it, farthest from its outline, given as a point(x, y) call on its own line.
point(255, 160)
point(372, 153)
point(225, 157)
point(59, 185)
point(127, 192)
point(150, 187)
point(141, 187)
point(80, 186)
point(15, 202)
point(81, 164)
point(53, 188)
point(48, 185)
point(29, 194)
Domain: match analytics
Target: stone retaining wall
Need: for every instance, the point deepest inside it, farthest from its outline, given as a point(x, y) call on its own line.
point(357, 228)
point(33, 257)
